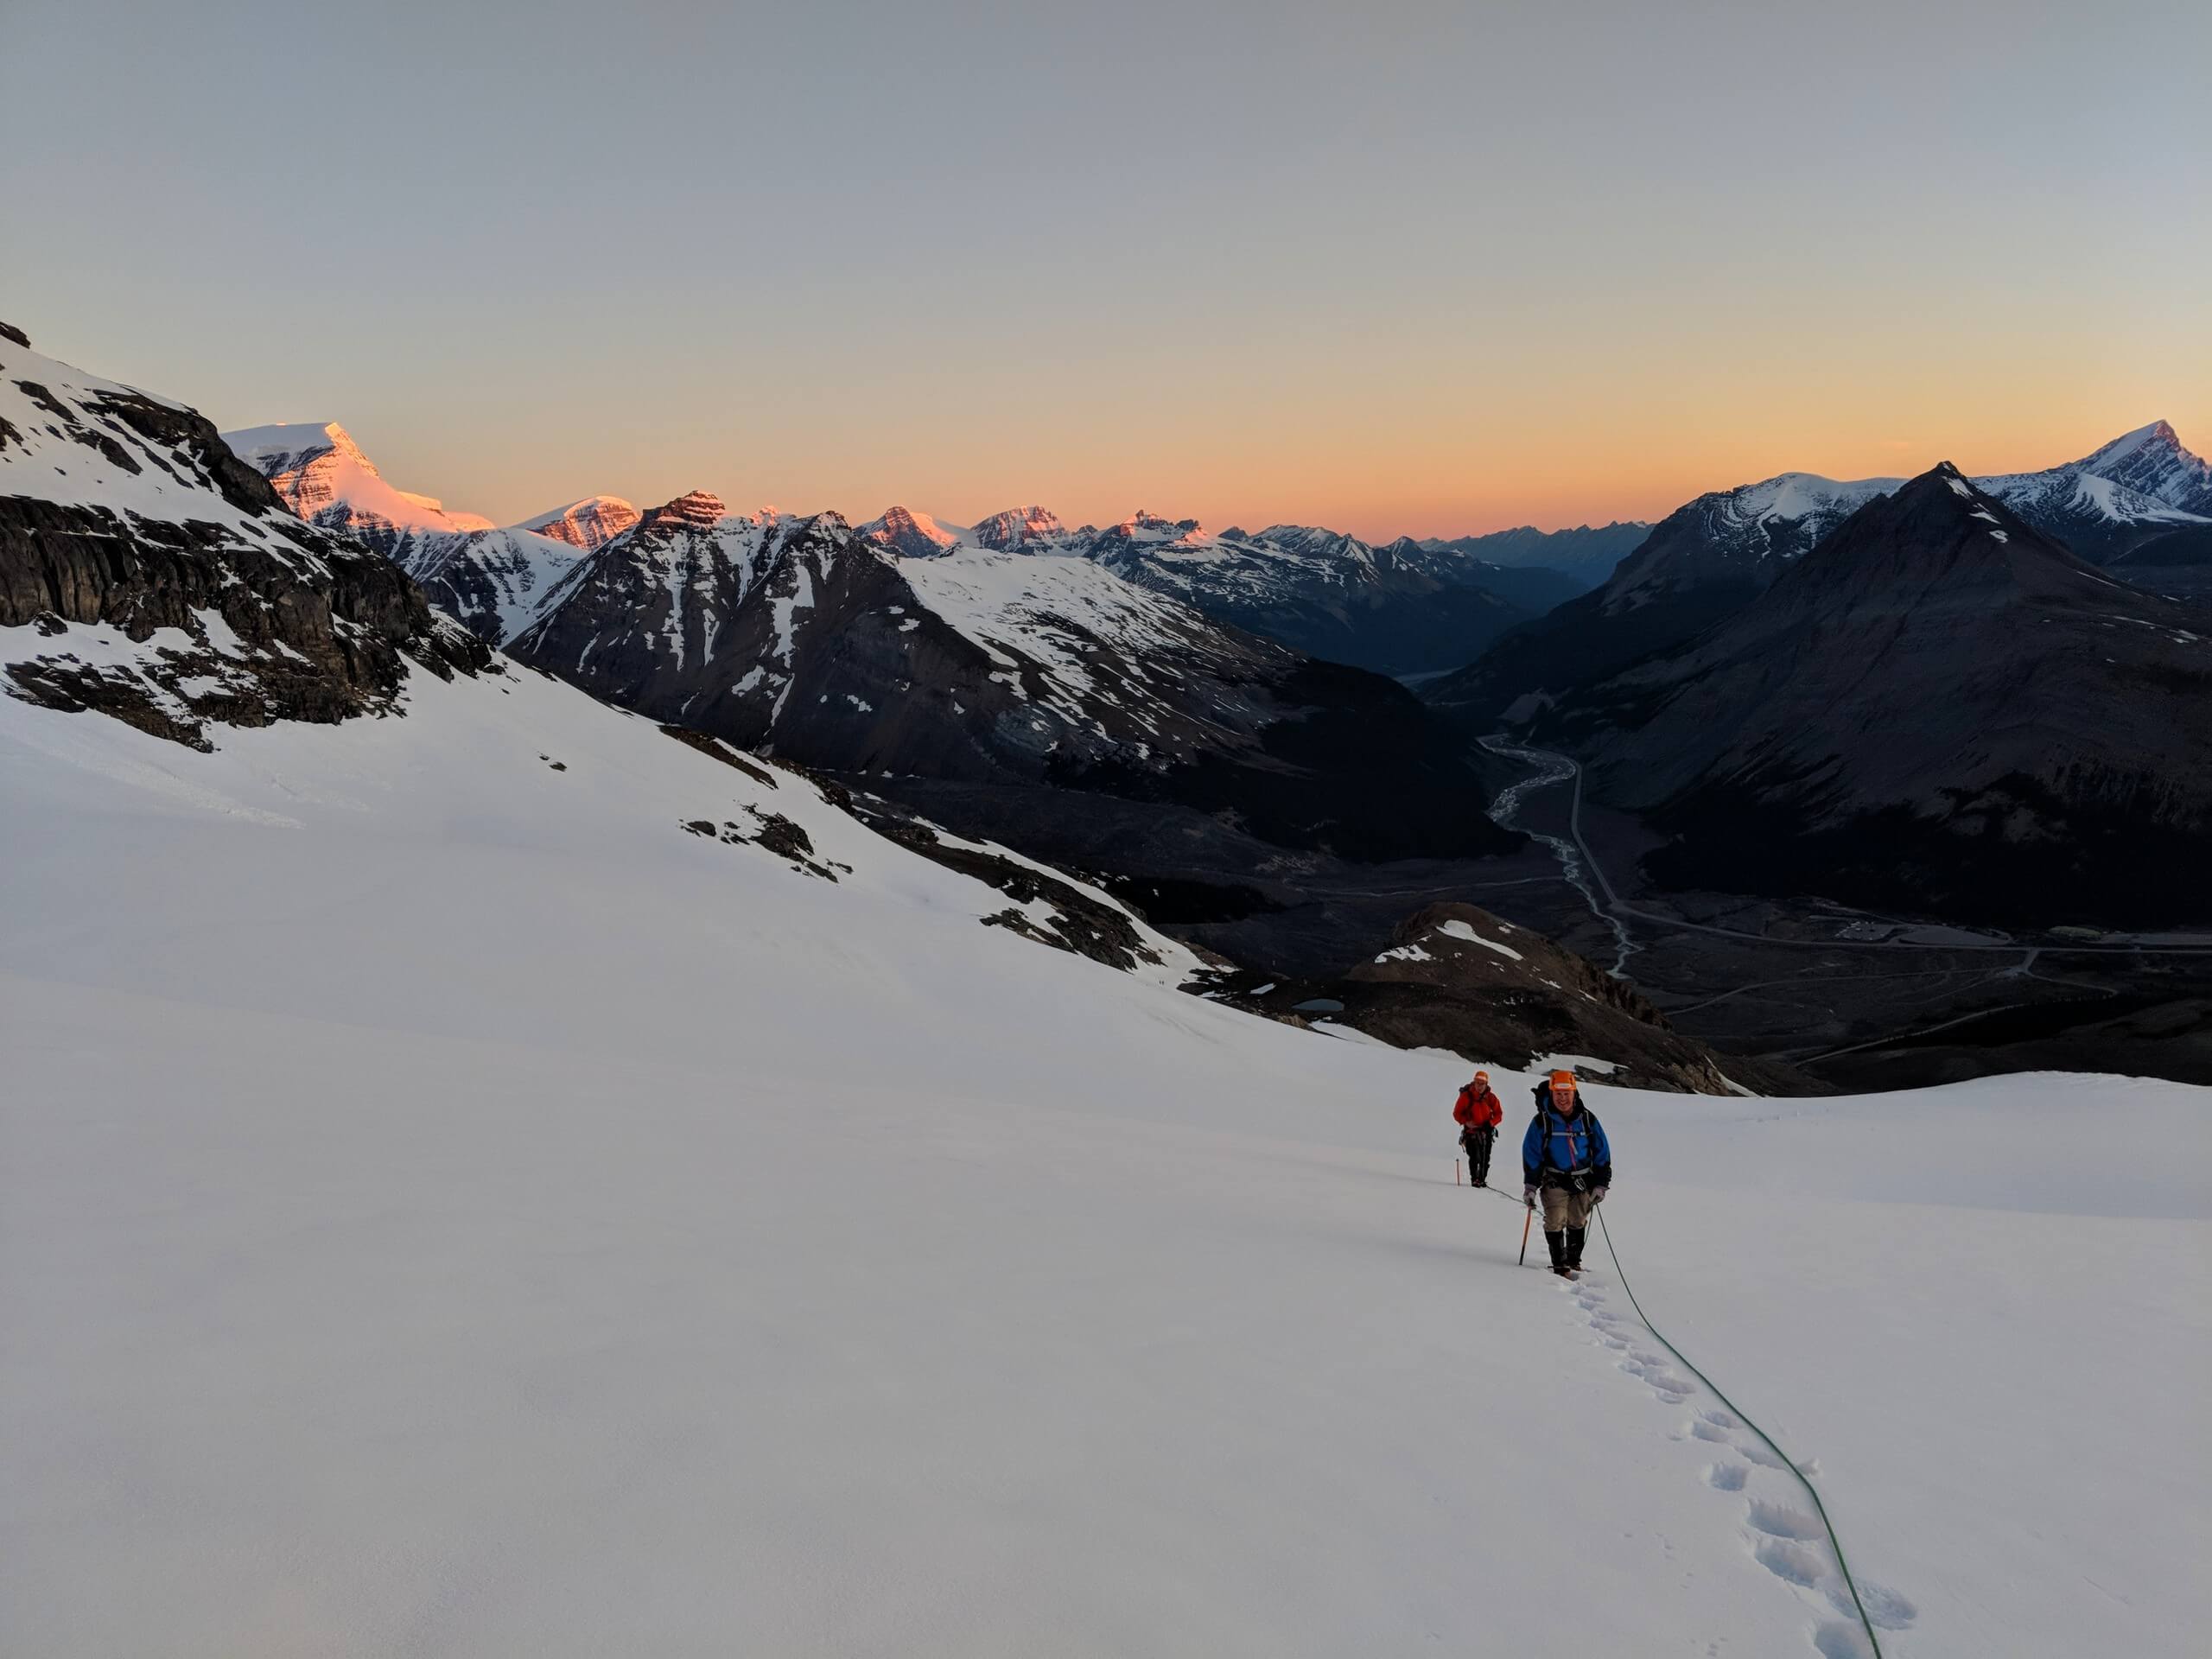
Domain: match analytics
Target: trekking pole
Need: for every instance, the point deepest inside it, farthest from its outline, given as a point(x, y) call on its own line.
point(1525, 1220)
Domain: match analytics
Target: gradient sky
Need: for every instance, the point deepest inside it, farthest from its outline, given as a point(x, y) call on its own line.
point(1389, 267)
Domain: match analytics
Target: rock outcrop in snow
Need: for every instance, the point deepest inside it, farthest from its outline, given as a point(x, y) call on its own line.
point(1455, 977)
point(147, 573)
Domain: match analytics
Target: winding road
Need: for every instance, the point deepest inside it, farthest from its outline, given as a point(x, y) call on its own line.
point(1576, 859)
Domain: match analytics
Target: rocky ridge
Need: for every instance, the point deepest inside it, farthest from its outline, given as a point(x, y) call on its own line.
point(158, 579)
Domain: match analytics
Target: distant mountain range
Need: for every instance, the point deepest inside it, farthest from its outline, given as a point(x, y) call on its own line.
point(1397, 609)
point(1939, 708)
point(1406, 607)
point(985, 671)
point(2138, 502)
point(1400, 607)
point(1585, 554)
point(990, 666)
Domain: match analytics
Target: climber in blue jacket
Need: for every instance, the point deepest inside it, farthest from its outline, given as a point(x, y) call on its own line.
point(1567, 1161)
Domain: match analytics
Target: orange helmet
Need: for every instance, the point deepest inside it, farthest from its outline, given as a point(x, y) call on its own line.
point(1482, 1077)
point(1563, 1080)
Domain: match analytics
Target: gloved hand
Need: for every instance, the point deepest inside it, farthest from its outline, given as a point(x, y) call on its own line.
point(1599, 1196)
point(1528, 1195)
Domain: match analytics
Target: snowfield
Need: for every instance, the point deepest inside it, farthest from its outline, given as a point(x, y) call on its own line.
point(451, 1209)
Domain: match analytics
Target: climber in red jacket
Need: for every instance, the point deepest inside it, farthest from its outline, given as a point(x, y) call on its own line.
point(1478, 1112)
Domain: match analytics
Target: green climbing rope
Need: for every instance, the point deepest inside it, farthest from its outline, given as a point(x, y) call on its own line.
point(1803, 1479)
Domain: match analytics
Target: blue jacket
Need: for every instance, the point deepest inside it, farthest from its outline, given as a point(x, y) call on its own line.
point(1561, 1144)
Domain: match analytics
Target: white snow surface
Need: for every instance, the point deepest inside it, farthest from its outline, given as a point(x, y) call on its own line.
point(445, 1208)
point(1459, 930)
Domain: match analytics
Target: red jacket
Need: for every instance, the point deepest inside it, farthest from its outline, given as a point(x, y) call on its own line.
point(1475, 1111)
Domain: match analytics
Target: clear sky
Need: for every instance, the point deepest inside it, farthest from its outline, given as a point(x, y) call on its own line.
point(1389, 267)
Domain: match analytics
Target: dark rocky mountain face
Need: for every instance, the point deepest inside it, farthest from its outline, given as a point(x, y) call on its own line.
point(1455, 977)
point(160, 580)
point(1003, 670)
point(1940, 709)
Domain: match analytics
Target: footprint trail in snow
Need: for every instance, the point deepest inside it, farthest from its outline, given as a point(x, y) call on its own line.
point(1789, 1543)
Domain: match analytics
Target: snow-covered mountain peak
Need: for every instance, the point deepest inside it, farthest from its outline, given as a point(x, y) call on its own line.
point(1315, 542)
point(1789, 496)
point(588, 523)
point(1020, 527)
point(296, 443)
point(2151, 462)
point(2160, 434)
point(909, 534)
point(1146, 529)
point(319, 471)
point(694, 508)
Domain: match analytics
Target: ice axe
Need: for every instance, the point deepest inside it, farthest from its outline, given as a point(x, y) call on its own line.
point(1525, 1221)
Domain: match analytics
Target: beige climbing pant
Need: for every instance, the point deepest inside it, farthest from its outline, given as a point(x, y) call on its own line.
point(1563, 1209)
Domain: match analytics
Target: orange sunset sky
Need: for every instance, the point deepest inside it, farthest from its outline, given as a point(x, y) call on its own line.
point(1400, 267)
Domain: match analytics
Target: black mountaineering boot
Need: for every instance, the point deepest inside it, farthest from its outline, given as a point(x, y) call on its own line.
point(1557, 1243)
point(1575, 1237)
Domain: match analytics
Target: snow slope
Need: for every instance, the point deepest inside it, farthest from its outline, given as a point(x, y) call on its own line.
point(446, 1208)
